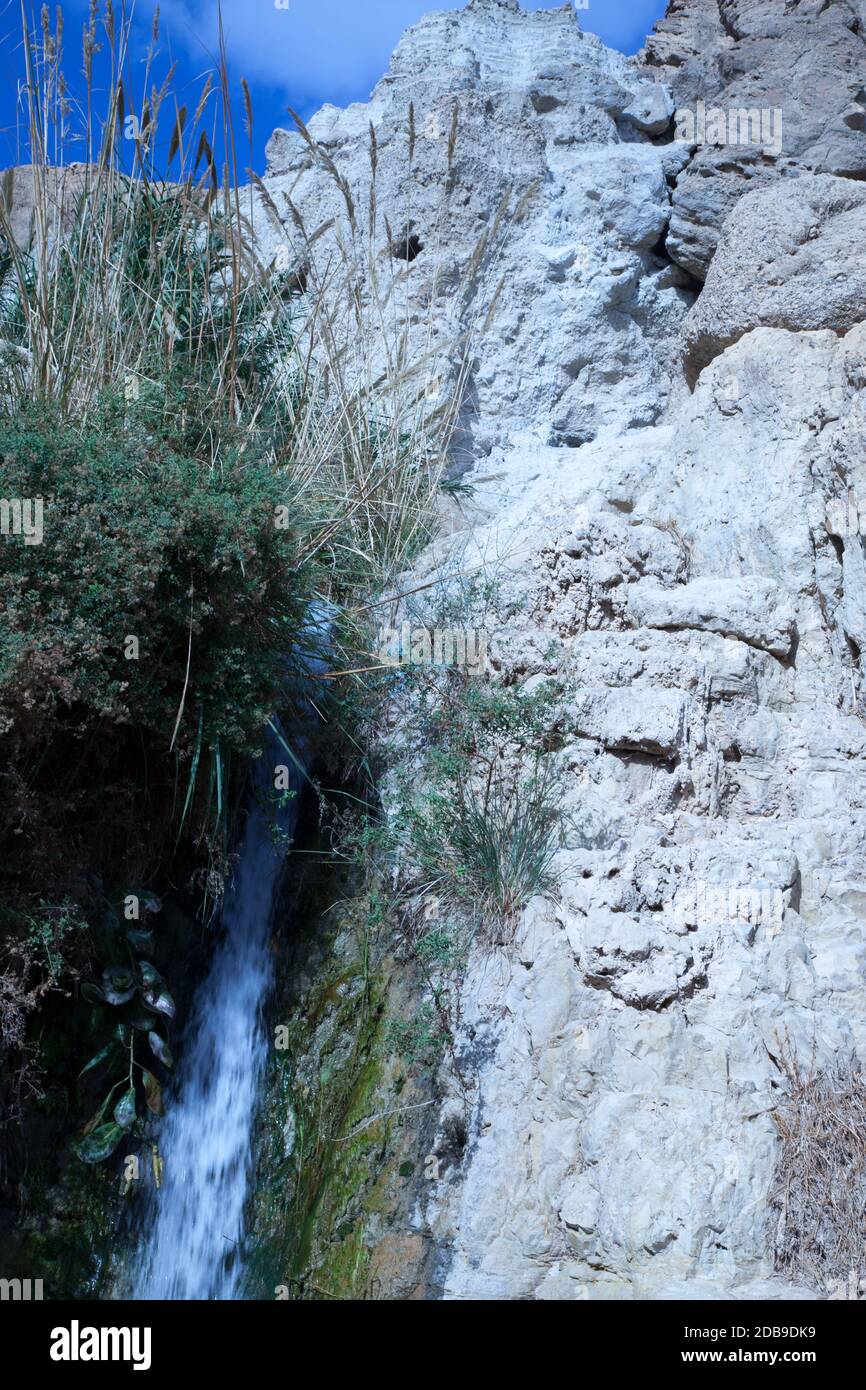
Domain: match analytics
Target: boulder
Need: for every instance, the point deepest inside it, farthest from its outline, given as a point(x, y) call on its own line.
point(790, 256)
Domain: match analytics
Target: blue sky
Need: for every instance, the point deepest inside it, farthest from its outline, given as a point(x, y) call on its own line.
point(312, 52)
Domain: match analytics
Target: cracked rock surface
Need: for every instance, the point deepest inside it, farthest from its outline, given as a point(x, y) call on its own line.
point(802, 65)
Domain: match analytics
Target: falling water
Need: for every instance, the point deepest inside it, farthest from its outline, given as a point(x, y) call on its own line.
point(194, 1248)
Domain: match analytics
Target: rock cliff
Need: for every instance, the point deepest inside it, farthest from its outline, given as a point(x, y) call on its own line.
point(658, 464)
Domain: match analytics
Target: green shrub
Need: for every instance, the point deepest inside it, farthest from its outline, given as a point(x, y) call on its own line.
point(419, 1039)
point(483, 832)
point(151, 563)
point(103, 743)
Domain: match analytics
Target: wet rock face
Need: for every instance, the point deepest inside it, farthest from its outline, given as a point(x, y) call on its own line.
point(685, 564)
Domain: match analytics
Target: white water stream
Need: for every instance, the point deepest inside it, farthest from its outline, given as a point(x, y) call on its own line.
point(194, 1248)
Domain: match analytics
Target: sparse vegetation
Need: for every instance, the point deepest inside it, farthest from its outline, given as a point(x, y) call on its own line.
point(485, 835)
point(817, 1226)
point(483, 831)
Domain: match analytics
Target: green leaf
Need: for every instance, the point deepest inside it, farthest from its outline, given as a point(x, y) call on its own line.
point(100, 1144)
point(153, 990)
point(160, 1001)
point(100, 1114)
point(100, 1057)
point(92, 993)
point(119, 984)
point(118, 997)
point(124, 1110)
point(192, 775)
point(152, 1091)
point(160, 1049)
point(295, 759)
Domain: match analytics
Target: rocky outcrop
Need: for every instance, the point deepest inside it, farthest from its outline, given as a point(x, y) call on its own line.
point(798, 67)
point(789, 257)
point(625, 1142)
point(58, 191)
point(805, 58)
point(663, 559)
point(710, 186)
point(751, 610)
point(559, 127)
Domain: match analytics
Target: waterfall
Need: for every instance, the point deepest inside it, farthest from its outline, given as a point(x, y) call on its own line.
point(194, 1247)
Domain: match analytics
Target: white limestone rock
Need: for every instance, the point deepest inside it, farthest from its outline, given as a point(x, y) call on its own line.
point(636, 719)
point(539, 104)
point(664, 558)
point(752, 609)
point(788, 257)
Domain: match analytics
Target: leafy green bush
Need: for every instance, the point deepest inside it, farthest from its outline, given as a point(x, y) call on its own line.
point(157, 575)
point(158, 610)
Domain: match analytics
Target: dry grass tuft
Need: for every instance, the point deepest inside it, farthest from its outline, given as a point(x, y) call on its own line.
point(818, 1198)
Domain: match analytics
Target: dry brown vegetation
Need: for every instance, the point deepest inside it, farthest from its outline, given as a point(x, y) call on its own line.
point(818, 1198)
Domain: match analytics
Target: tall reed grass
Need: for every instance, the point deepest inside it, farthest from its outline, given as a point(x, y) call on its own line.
point(138, 277)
